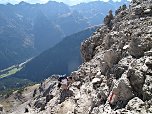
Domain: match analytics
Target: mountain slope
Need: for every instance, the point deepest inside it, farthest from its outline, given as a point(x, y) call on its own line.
point(63, 58)
point(28, 29)
point(96, 11)
point(116, 76)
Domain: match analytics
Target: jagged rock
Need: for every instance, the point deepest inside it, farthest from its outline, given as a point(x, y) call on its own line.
point(148, 61)
point(136, 105)
point(138, 10)
point(1, 108)
point(121, 93)
point(96, 82)
point(87, 49)
point(108, 41)
point(108, 19)
point(34, 93)
point(40, 103)
point(148, 53)
point(135, 48)
point(111, 57)
point(103, 67)
point(77, 84)
point(136, 79)
point(26, 110)
point(118, 71)
point(65, 94)
point(49, 97)
point(147, 88)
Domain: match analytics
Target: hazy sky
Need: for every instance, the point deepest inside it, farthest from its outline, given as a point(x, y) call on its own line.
point(70, 2)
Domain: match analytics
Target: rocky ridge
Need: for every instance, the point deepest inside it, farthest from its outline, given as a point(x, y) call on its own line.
point(116, 77)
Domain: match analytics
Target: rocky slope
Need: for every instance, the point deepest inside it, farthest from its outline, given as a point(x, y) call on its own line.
point(117, 70)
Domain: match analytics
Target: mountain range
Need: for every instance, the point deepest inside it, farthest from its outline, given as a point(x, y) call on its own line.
point(26, 29)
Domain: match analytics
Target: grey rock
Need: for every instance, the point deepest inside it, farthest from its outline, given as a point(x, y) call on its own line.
point(40, 103)
point(111, 57)
point(147, 88)
point(136, 105)
point(136, 79)
point(122, 91)
point(1, 108)
point(148, 53)
point(135, 49)
point(49, 97)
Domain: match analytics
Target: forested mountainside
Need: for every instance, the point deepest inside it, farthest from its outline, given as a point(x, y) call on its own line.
point(28, 29)
point(63, 58)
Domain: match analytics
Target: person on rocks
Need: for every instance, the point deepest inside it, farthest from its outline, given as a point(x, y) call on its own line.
point(64, 84)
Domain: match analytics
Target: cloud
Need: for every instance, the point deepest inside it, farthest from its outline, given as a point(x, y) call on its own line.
point(71, 2)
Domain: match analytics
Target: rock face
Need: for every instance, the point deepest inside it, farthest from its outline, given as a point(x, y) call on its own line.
point(1, 108)
point(116, 76)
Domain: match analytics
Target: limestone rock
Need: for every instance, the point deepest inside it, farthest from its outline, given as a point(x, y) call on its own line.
point(147, 87)
point(121, 92)
point(136, 79)
point(135, 49)
point(111, 57)
point(40, 103)
point(1, 108)
point(135, 105)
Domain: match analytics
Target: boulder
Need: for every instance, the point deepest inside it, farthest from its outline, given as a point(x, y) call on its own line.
point(111, 57)
point(118, 70)
point(121, 93)
point(96, 82)
point(148, 62)
point(148, 53)
point(108, 19)
point(148, 11)
point(1, 108)
point(136, 105)
point(137, 80)
point(147, 88)
point(87, 50)
point(138, 10)
point(49, 97)
point(103, 67)
point(135, 48)
point(40, 103)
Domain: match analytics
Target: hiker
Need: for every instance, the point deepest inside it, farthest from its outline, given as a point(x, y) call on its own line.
point(64, 83)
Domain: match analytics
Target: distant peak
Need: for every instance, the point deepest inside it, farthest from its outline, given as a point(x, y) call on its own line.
point(54, 2)
point(23, 3)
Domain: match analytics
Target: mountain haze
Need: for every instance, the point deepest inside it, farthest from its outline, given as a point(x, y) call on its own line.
point(115, 78)
point(28, 29)
point(63, 58)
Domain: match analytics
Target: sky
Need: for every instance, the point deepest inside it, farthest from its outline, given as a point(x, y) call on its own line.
point(70, 2)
